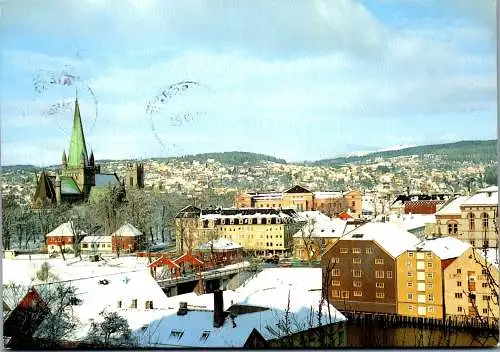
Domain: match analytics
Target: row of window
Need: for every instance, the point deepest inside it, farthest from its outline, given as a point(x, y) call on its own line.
point(484, 271)
point(430, 285)
point(244, 221)
point(429, 309)
point(429, 275)
point(484, 220)
point(96, 245)
point(379, 274)
point(133, 304)
point(358, 284)
point(421, 297)
point(250, 228)
point(356, 250)
point(345, 294)
point(336, 260)
point(420, 265)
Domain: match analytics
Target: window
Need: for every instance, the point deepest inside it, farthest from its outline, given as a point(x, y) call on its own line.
point(344, 250)
point(149, 305)
point(408, 264)
point(389, 274)
point(429, 265)
point(430, 285)
point(336, 293)
point(335, 260)
point(357, 284)
point(336, 272)
point(379, 285)
point(410, 307)
point(430, 309)
point(410, 296)
point(379, 261)
point(472, 243)
point(369, 251)
point(472, 226)
point(459, 309)
point(134, 304)
point(176, 334)
point(410, 274)
point(379, 274)
point(409, 284)
point(484, 284)
point(430, 297)
point(458, 294)
point(430, 275)
point(345, 294)
point(356, 273)
point(358, 293)
point(204, 335)
point(84, 245)
point(109, 245)
point(356, 260)
point(452, 228)
point(459, 283)
point(379, 295)
point(486, 297)
point(484, 271)
point(335, 283)
point(119, 305)
point(428, 255)
point(485, 310)
point(459, 271)
point(485, 220)
point(410, 254)
point(356, 250)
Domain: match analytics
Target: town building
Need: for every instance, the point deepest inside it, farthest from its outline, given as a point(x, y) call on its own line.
point(96, 244)
point(79, 174)
point(319, 232)
point(471, 285)
point(418, 203)
point(302, 199)
point(471, 218)
point(127, 238)
point(62, 238)
point(360, 269)
point(262, 230)
point(420, 276)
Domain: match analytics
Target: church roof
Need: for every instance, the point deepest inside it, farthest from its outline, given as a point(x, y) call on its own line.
point(44, 189)
point(68, 185)
point(297, 189)
point(106, 179)
point(77, 148)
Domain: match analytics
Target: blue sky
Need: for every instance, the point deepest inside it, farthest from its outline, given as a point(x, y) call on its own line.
point(294, 79)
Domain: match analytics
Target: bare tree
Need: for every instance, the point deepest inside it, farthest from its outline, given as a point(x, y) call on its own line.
point(111, 330)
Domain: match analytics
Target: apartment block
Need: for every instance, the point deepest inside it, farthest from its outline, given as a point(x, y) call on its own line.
point(360, 269)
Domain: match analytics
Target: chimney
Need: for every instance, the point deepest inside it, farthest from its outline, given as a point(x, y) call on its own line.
point(183, 308)
point(218, 308)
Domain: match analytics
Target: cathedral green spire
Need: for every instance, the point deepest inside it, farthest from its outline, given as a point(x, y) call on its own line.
point(77, 146)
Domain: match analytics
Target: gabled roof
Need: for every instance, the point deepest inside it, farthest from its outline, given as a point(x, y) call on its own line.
point(162, 261)
point(443, 247)
point(452, 207)
point(68, 185)
point(77, 147)
point(489, 197)
point(186, 257)
point(392, 238)
point(188, 211)
point(44, 189)
point(127, 230)
point(65, 229)
point(219, 245)
point(96, 239)
point(297, 189)
point(331, 228)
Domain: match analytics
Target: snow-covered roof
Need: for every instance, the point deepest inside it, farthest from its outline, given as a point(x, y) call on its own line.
point(389, 236)
point(412, 221)
point(97, 295)
point(127, 230)
point(491, 254)
point(219, 244)
point(443, 247)
point(314, 214)
point(65, 229)
point(483, 198)
point(452, 207)
point(332, 228)
point(268, 289)
point(327, 195)
point(96, 239)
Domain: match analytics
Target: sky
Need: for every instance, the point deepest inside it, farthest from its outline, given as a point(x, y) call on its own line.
point(299, 80)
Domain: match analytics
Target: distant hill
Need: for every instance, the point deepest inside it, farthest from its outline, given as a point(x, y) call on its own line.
point(480, 151)
point(234, 158)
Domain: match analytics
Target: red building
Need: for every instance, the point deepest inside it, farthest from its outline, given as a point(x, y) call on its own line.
point(62, 237)
point(127, 238)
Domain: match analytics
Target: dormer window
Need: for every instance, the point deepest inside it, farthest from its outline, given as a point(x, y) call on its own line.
point(204, 336)
point(176, 334)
